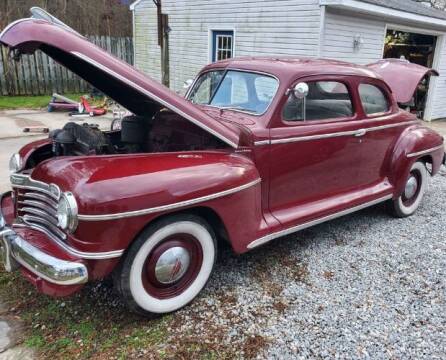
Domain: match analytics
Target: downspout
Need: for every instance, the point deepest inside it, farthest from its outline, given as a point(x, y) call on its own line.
point(163, 42)
point(134, 37)
point(320, 53)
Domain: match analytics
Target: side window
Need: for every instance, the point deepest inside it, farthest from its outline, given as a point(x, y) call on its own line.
point(325, 100)
point(373, 99)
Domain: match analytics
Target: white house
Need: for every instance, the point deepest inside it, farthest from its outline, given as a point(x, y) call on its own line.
point(200, 31)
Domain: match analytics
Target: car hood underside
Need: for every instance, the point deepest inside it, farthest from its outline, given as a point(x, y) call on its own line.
point(120, 81)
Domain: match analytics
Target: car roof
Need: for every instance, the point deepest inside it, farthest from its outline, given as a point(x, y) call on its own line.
point(294, 67)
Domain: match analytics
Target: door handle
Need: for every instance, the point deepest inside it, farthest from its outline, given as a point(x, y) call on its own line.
point(360, 132)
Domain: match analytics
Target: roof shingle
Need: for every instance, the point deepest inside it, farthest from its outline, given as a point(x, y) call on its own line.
point(409, 6)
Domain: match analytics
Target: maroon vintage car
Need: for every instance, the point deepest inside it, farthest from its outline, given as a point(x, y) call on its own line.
point(260, 148)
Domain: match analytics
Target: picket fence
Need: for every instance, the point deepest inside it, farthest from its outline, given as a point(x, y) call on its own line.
point(38, 74)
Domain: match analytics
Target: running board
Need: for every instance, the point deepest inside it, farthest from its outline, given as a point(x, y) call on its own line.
point(268, 238)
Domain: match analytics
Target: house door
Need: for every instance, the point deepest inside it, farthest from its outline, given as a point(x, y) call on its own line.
point(222, 45)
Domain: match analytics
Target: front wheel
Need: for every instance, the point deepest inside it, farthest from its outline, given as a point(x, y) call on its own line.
point(409, 201)
point(167, 265)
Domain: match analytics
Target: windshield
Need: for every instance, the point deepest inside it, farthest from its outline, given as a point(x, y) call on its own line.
point(235, 90)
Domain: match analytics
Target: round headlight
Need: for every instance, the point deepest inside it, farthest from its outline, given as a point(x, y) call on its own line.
point(67, 212)
point(15, 164)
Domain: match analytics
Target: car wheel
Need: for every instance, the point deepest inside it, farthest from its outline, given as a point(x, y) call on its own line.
point(168, 265)
point(409, 201)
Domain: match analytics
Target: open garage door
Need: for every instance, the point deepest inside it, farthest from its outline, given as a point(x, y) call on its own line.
point(418, 49)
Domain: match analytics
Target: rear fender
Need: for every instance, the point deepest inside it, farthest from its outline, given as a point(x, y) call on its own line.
point(415, 143)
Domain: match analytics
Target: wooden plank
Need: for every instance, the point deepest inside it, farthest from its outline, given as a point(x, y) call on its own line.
point(31, 80)
point(2, 77)
point(19, 80)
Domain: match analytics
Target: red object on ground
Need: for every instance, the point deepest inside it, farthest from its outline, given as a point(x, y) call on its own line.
point(92, 111)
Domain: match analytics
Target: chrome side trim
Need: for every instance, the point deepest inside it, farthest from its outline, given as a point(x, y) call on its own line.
point(341, 133)
point(262, 142)
point(313, 137)
point(156, 98)
point(69, 249)
point(268, 238)
point(167, 207)
point(424, 152)
point(382, 127)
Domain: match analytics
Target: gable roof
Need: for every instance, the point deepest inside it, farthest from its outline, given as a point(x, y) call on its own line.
point(409, 6)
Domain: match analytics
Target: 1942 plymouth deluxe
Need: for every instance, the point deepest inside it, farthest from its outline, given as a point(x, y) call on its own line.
point(259, 148)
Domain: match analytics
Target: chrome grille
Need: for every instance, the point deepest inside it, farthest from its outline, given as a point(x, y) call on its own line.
point(37, 205)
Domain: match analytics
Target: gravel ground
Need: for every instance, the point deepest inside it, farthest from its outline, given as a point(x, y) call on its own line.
point(363, 286)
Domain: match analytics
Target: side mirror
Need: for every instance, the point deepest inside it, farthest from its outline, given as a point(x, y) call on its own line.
point(301, 90)
point(187, 84)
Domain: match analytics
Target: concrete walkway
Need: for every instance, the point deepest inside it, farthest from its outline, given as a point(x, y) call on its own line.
point(12, 138)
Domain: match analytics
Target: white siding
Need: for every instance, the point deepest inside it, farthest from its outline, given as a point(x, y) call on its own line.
point(340, 32)
point(439, 94)
point(262, 27)
point(147, 51)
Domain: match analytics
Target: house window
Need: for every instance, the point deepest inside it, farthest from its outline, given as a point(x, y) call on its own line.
point(222, 45)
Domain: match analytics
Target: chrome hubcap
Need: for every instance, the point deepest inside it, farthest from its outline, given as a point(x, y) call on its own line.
point(172, 265)
point(411, 187)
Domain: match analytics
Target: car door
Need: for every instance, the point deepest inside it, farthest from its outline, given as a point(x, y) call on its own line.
point(315, 160)
point(383, 123)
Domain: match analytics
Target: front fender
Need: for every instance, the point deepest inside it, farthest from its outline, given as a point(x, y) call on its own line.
point(119, 184)
point(415, 143)
point(106, 187)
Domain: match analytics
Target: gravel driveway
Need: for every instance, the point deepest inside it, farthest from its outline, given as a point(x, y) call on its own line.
point(363, 286)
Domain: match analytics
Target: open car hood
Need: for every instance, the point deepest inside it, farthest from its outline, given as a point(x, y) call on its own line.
point(120, 81)
point(402, 76)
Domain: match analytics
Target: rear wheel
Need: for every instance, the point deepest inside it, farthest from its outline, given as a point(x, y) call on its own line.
point(409, 201)
point(167, 265)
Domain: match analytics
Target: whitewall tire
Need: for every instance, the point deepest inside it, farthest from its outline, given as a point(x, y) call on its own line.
point(415, 187)
point(168, 265)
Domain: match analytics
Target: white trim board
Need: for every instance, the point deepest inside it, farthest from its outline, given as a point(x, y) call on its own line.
point(371, 9)
point(213, 28)
point(134, 4)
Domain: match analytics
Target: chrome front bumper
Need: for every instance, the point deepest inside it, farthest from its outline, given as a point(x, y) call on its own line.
point(16, 251)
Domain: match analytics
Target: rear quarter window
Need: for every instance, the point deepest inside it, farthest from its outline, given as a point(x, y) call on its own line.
point(374, 100)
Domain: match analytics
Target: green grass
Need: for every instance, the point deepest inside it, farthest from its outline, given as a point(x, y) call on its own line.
point(29, 102)
point(93, 324)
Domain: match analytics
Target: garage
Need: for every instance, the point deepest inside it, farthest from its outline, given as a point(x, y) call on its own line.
point(418, 49)
point(367, 31)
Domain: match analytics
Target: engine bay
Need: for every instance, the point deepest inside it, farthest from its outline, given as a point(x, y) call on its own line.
point(164, 132)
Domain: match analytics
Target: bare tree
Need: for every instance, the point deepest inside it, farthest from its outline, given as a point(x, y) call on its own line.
point(436, 4)
point(106, 17)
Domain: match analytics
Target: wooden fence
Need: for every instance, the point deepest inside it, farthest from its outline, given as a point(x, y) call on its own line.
point(38, 74)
